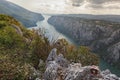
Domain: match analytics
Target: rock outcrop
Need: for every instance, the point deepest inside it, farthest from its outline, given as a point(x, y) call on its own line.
point(101, 36)
point(18, 30)
point(58, 68)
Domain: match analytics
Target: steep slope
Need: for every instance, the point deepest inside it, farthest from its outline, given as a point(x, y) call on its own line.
point(101, 36)
point(17, 49)
point(27, 18)
point(23, 52)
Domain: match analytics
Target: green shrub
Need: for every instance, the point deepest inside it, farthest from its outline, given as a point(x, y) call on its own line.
point(14, 56)
point(40, 48)
point(80, 54)
point(83, 55)
point(9, 38)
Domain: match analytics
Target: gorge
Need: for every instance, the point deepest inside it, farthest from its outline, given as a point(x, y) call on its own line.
point(95, 28)
point(62, 27)
point(90, 33)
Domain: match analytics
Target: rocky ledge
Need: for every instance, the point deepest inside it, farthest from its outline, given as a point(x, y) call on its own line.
point(59, 68)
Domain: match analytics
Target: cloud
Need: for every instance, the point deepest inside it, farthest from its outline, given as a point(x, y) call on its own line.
point(97, 4)
point(67, 7)
point(102, 1)
point(93, 1)
point(108, 4)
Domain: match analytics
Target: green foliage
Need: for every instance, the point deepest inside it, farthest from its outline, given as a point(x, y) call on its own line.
point(9, 38)
point(83, 55)
point(40, 48)
point(61, 45)
point(17, 51)
point(9, 20)
point(2, 24)
point(14, 51)
point(13, 64)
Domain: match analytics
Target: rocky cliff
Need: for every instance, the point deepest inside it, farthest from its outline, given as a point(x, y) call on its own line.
point(101, 36)
point(58, 68)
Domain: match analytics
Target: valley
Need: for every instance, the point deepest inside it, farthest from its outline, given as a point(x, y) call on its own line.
point(101, 36)
point(43, 38)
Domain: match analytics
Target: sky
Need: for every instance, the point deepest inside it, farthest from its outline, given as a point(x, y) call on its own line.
point(68, 7)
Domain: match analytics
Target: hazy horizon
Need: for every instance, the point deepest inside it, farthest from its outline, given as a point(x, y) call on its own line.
point(100, 7)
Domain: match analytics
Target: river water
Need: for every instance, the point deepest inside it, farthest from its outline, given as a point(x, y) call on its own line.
point(52, 33)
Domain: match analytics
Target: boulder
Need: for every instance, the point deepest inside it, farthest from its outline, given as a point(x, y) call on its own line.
point(52, 55)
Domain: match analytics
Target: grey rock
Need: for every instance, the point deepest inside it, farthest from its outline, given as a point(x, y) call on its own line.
point(52, 55)
point(60, 69)
point(54, 63)
point(76, 72)
point(106, 72)
point(62, 61)
point(18, 30)
point(114, 52)
point(37, 79)
point(51, 71)
point(111, 77)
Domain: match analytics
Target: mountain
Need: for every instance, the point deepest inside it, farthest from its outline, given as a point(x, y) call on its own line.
point(101, 36)
point(111, 18)
point(27, 18)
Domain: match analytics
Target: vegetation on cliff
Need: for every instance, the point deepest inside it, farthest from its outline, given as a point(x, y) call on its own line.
point(21, 50)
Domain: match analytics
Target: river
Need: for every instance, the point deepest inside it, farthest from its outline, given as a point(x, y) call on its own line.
point(52, 33)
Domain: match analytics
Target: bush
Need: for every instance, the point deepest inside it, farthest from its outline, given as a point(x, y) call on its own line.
point(13, 64)
point(9, 38)
point(80, 54)
point(14, 57)
point(83, 55)
point(40, 48)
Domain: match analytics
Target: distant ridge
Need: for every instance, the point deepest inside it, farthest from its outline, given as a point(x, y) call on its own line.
point(25, 16)
point(109, 17)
